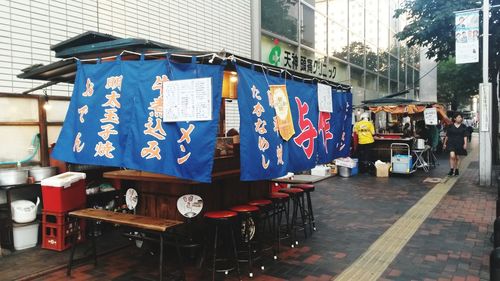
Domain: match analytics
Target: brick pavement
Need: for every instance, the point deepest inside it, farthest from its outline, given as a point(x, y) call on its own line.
point(452, 244)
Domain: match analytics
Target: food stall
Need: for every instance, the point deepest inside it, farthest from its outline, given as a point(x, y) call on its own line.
point(391, 114)
point(165, 159)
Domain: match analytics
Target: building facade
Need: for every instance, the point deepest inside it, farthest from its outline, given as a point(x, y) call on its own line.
point(29, 28)
point(346, 41)
point(355, 38)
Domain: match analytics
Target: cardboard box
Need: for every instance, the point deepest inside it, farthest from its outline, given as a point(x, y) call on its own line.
point(383, 170)
point(320, 171)
point(333, 169)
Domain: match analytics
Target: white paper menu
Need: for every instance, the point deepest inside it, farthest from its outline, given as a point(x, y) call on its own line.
point(187, 100)
point(325, 98)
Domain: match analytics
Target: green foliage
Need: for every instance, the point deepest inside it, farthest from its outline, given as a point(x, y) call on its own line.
point(432, 25)
point(457, 83)
point(356, 51)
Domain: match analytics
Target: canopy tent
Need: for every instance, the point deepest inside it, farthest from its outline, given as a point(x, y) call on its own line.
point(412, 109)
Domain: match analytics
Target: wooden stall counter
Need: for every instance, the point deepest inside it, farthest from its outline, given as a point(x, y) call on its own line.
point(158, 194)
point(135, 175)
point(382, 145)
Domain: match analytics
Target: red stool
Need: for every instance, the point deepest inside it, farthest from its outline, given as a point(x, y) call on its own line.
point(281, 207)
point(246, 214)
point(222, 219)
point(308, 188)
point(297, 197)
point(264, 207)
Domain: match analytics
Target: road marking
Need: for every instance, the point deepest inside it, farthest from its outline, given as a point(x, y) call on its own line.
point(372, 263)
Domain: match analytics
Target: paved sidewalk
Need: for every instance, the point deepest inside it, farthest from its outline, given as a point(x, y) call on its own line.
point(454, 242)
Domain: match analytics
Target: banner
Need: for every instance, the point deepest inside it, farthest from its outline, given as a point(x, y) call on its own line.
point(263, 153)
point(131, 132)
point(96, 125)
point(335, 129)
point(318, 138)
point(304, 105)
point(467, 37)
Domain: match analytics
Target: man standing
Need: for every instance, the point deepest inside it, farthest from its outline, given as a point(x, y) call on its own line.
point(365, 131)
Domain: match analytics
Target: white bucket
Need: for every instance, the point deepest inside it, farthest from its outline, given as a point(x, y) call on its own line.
point(25, 235)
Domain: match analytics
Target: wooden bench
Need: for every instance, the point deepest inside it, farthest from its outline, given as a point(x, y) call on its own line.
point(146, 224)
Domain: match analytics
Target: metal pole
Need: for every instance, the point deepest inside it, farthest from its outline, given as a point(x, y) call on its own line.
point(255, 12)
point(485, 156)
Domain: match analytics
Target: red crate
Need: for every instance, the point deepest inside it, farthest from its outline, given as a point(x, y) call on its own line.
point(56, 217)
point(60, 199)
point(58, 237)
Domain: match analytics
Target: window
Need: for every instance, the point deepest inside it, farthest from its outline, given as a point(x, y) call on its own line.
point(356, 50)
point(383, 86)
point(337, 40)
point(371, 86)
point(338, 12)
point(393, 64)
point(357, 17)
point(280, 17)
point(394, 87)
point(357, 77)
point(307, 26)
point(409, 76)
point(383, 63)
point(371, 57)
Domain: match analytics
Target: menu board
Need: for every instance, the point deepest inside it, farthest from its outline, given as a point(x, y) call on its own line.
point(430, 116)
point(187, 100)
point(325, 98)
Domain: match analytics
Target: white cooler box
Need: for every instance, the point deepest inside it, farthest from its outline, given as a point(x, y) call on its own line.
point(401, 164)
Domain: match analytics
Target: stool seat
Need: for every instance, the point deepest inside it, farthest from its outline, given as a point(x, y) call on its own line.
point(244, 208)
point(220, 214)
point(278, 195)
point(260, 202)
point(292, 190)
point(305, 187)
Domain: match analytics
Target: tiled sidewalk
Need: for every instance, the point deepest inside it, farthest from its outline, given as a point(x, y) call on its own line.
point(452, 244)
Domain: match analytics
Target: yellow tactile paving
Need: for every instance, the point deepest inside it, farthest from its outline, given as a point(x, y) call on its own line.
point(372, 263)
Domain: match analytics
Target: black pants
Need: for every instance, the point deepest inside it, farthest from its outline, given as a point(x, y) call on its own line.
point(364, 155)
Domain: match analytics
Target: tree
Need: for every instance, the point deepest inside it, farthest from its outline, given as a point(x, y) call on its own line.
point(357, 51)
point(431, 25)
point(457, 83)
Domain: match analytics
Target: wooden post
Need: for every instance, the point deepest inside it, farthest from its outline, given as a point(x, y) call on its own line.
point(222, 119)
point(44, 146)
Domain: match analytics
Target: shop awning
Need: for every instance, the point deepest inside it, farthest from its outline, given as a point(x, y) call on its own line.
point(90, 44)
point(412, 109)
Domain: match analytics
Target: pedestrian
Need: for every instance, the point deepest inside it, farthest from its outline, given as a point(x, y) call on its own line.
point(456, 143)
point(365, 131)
point(470, 129)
